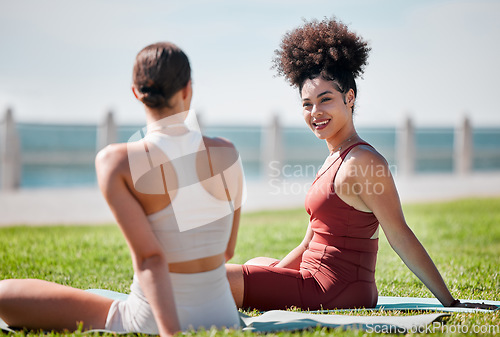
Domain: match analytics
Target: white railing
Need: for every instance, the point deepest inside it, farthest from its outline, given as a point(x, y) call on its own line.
point(406, 148)
point(10, 153)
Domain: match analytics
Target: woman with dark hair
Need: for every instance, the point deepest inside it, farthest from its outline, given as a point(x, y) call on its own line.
point(354, 192)
point(176, 196)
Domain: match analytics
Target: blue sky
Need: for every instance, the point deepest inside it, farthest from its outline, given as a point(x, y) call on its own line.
point(70, 61)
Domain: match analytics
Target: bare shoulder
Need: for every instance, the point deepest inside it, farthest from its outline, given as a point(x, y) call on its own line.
point(113, 158)
point(365, 161)
point(364, 176)
point(222, 152)
point(365, 155)
point(218, 142)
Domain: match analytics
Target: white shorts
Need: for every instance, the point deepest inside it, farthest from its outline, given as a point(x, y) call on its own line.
point(202, 300)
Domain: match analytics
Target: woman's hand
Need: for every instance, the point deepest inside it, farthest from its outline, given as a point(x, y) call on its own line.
point(473, 305)
point(294, 258)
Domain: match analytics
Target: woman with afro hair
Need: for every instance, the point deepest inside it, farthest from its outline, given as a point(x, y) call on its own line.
point(354, 192)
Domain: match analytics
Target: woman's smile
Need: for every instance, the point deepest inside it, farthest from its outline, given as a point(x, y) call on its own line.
point(320, 124)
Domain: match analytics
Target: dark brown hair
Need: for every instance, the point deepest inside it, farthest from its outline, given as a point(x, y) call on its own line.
point(327, 49)
point(160, 70)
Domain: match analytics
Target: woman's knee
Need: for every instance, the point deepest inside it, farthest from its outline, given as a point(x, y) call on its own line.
point(234, 273)
point(261, 261)
point(7, 294)
point(6, 289)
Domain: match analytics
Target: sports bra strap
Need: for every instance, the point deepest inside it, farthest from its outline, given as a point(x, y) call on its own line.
point(346, 151)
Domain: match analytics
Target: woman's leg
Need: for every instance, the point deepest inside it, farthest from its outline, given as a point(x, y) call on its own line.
point(235, 276)
point(268, 288)
point(38, 304)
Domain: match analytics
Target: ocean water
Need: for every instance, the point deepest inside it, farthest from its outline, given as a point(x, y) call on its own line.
point(63, 155)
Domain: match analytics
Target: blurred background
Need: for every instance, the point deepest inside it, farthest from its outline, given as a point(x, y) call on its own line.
point(427, 100)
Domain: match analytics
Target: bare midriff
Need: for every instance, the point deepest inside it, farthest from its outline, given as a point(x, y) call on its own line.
point(197, 266)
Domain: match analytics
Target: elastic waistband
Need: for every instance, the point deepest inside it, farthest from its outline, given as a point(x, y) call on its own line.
point(193, 288)
point(182, 281)
point(197, 288)
point(357, 244)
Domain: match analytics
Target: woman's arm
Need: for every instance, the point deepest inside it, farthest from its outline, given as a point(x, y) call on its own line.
point(376, 190)
point(225, 161)
point(293, 259)
point(235, 185)
point(150, 264)
point(231, 245)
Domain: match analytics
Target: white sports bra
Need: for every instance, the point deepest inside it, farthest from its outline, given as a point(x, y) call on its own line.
point(195, 224)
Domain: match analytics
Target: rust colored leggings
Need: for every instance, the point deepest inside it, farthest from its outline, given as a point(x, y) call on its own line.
point(327, 279)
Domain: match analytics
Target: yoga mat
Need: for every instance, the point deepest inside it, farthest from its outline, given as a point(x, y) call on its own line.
point(280, 320)
point(424, 304)
point(4, 327)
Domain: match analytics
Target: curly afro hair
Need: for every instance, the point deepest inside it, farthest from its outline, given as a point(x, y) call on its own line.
point(326, 48)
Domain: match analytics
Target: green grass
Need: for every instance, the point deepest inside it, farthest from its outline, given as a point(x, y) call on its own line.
point(462, 237)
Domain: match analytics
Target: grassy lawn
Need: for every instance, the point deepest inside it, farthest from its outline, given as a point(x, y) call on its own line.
point(462, 237)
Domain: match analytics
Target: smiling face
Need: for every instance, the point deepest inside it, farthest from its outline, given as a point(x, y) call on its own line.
point(327, 111)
